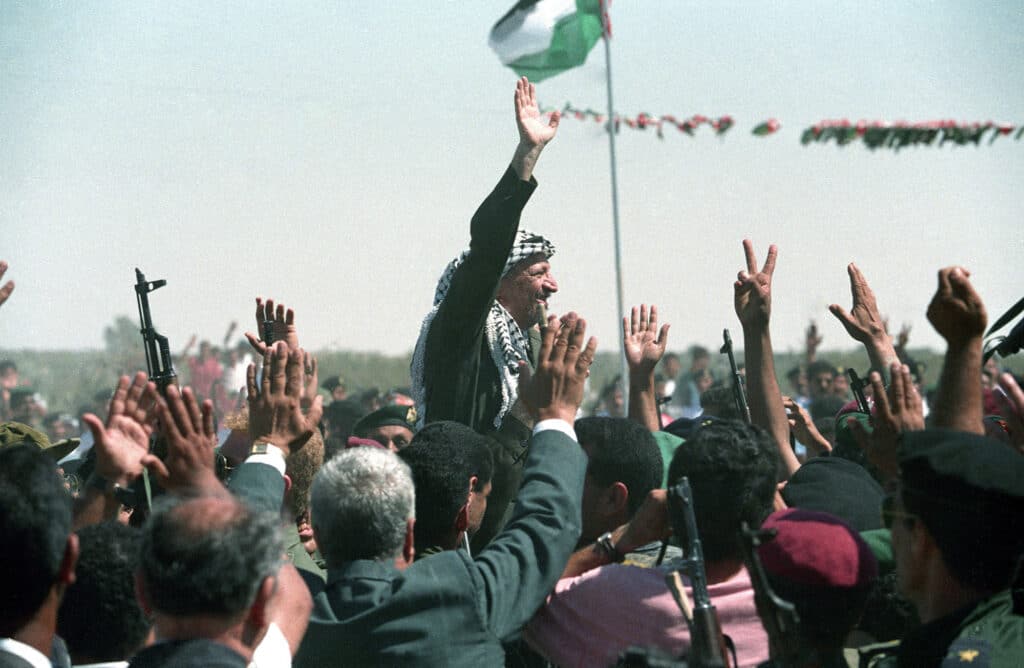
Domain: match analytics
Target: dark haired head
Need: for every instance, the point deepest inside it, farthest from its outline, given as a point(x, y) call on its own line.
point(732, 468)
point(620, 450)
point(443, 457)
point(103, 596)
point(35, 521)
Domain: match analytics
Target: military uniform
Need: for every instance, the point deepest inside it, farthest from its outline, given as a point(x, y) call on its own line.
point(978, 484)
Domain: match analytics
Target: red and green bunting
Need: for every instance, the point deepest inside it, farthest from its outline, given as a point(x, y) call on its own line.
point(873, 134)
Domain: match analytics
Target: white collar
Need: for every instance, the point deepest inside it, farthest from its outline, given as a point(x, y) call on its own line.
point(27, 652)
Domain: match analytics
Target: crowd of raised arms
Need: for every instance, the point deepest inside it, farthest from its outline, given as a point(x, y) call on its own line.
point(481, 517)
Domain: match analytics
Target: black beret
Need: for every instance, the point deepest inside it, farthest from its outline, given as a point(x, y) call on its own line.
point(981, 465)
point(839, 487)
point(402, 416)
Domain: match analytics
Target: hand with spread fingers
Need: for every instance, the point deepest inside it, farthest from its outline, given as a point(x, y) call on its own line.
point(956, 311)
point(555, 389)
point(644, 343)
point(534, 133)
point(752, 291)
point(187, 427)
point(123, 440)
point(281, 321)
point(8, 287)
point(275, 405)
point(896, 411)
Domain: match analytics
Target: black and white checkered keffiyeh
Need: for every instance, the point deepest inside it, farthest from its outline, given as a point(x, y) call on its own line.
point(505, 338)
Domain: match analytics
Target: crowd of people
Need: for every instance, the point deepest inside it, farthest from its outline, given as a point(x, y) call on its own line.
point(479, 517)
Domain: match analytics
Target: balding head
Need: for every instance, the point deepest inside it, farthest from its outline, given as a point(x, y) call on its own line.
point(208, 556)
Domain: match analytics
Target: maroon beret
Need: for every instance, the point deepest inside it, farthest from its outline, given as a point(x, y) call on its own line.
point(817, 550)
point(356, 442)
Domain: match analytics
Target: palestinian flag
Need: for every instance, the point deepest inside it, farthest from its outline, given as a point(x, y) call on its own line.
point(540, 38)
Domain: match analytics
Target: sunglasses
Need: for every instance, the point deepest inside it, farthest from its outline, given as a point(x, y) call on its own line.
point(890, 513)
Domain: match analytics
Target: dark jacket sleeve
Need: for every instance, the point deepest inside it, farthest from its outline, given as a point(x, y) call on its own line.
point(461, 316)
point(522, 564)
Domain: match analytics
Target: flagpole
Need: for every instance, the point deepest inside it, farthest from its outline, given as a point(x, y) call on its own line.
point(615, 199)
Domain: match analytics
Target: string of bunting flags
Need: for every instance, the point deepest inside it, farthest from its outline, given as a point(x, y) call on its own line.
point(873, 134)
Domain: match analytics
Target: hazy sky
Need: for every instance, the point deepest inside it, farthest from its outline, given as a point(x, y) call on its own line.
point(331, 156)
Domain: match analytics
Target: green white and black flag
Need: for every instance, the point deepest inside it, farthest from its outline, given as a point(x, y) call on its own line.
point(540, 38)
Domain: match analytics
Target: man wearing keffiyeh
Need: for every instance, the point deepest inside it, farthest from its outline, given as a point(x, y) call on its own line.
point(466, 363)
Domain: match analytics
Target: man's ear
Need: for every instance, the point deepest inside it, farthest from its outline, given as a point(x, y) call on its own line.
point(617, 497)
point(287, 485)
point(66, 574)
point(258, 616)
point(462, 518)
point(142, 596)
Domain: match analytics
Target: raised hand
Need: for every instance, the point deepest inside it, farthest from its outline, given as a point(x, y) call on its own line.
point(863, 322)
point(123, 440)
point(803, 428)
point(956, 311)
point(8, 287)
point(275, 405)
point(644, 344)
point(312, 402)
point(187, 427)
point(282, 321)
point(752, 291)
point(555, 389)
point(812, 339)
point(532, 128)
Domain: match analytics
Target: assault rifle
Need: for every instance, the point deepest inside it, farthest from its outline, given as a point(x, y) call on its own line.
point(738, 392)
point(158, 351)
point(707, 644)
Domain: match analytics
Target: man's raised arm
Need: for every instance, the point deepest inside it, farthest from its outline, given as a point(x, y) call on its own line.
point(753, 302)
point(958, 314)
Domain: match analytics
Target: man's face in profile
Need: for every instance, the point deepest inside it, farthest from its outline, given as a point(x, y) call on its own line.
point(525, 290)
point(477, 506)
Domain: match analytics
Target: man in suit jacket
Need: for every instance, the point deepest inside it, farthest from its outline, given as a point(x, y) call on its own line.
point(379, 607)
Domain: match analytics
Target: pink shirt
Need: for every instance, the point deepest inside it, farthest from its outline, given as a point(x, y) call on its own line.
point(589, 620)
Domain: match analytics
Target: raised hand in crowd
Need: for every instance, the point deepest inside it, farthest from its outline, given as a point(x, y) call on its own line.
point(120, 444)
point(1011, 403)
point(802, 426)
point(275, 404)
point(282, 326)
point(752, 297)
point(187, 427)
point(958, 314)
point(312, 402)
point(534, 133)
point(555, 389)
point(897, 410)
point(864, 323)
point(644, 345)
point(903, 338)
point(812, 339)
point(8, 287)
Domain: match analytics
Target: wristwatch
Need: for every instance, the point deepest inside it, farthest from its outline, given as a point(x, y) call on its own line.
point(264, 448)
point(605, 546)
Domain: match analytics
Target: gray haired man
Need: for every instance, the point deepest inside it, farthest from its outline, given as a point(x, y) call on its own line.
point(381, 608)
